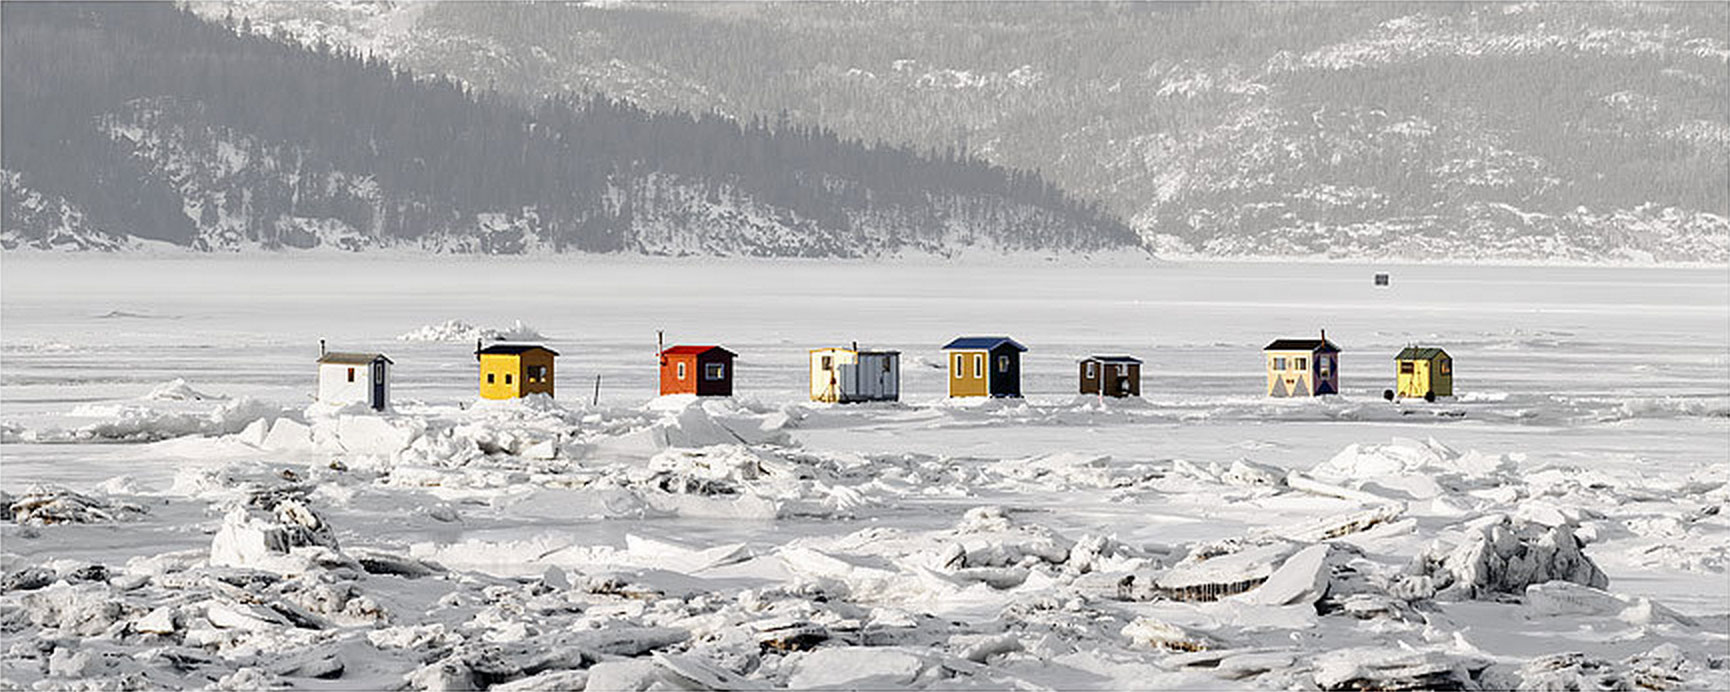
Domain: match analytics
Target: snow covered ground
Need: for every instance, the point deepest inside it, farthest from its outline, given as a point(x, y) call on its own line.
point(179, 514)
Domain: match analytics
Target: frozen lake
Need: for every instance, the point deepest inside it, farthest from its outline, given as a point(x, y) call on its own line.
point(1603, 390)
point(1544, 354)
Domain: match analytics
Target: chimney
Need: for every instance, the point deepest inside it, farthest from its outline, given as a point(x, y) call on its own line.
point(1324, 334)
point(477, 349)
point(660, 347)
point(321, 348)
point(855, 347)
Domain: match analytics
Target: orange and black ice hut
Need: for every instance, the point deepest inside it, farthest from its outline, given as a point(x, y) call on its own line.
point(699, 370)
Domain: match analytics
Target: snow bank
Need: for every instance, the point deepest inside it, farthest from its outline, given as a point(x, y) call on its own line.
point(178, 390)
point(127, 423)
point(1663, 667)
point(1396, 669)
point(458, 330)
point(1209, 574)
point(688, 421)
point(858, 667)
point(276, 533)
point(1156, 634)
point(1404, 465)
point(1558, 598)
point(47, 504)
point(1499, 555)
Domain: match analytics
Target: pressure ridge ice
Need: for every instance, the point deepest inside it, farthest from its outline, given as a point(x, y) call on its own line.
point(534, 545)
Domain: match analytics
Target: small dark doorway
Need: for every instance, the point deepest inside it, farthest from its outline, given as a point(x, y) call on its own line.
point(378, 385)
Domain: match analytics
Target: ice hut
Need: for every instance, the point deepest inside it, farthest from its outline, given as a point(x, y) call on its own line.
point(1118, 376)
point(699, 370)
point(845, 375)
point(511, 371)
point(984, 366)
point(348, 378)
point(1422, 372)
point(1302, 367)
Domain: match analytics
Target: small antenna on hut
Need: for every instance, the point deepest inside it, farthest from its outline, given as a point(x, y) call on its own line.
point(660, 347)
point(477, 348)
point(321, 348)
point(855, 346)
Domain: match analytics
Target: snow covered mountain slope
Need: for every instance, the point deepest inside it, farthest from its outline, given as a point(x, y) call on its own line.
point(1567, 131)
point(166, 127)
point(47, 222)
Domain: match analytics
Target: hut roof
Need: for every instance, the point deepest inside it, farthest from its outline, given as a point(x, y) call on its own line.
point(982, 343)
point(1420, 353)
point(1301, 345)
point(1113, 359)
point(860, 351)
point(353, 358)
point(514, 349)
point(695, 350)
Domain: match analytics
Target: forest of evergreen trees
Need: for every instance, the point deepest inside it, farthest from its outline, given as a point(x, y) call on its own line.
point(1226, 125)
point(434, 153)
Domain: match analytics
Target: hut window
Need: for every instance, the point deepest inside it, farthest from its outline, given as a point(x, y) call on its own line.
point(1090, 374)
point(1302, 364)
point(714, 371)
point(1326, 363)
point(886, 365)
point(978, 365)
point(489, 378)
point(537, 373)
point(1407, 367)
point(828, 363)
point(351, 374)
point(1123, 370)
point(960, 366)
point(507, 378)
point(1279, 362)
point(681, 371)
point(1003, 363)
point(1447, 367)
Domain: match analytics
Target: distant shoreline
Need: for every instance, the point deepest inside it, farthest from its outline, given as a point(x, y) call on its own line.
point(152, 250)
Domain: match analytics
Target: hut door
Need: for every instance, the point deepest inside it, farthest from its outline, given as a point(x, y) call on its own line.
point(378, 385)
point(847, 385)
point(891, 373)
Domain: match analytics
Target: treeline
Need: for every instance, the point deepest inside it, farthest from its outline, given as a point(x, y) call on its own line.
point(105, 101)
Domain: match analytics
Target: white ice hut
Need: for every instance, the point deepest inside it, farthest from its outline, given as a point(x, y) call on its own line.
point(845, 375)
point(347, 378)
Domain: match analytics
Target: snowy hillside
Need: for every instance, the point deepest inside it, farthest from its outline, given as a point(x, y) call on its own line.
point(168, 128)
point(1587, 132)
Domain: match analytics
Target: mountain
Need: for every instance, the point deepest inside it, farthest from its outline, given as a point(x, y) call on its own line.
point(128, 123)
point(1583, 131)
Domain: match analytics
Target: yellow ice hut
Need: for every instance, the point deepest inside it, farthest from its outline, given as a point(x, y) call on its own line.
point(1423, 372)
point(512, 371)
point(985, 366)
